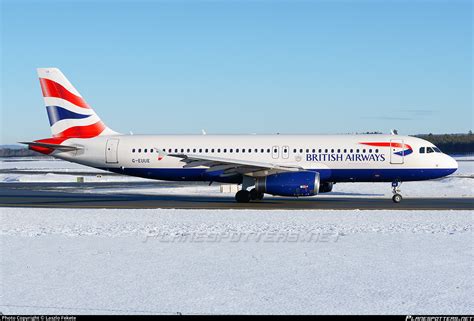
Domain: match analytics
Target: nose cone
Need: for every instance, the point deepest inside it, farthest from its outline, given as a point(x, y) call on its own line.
point(452, 164)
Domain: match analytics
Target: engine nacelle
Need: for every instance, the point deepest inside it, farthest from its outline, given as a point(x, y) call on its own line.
point(326, 187)
point(303, 183)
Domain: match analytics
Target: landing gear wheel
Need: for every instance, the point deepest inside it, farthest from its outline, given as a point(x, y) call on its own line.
point(242, 196)
point(397, 198)
point(254, 195)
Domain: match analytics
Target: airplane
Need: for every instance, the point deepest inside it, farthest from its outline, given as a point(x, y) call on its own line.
point(282, 165)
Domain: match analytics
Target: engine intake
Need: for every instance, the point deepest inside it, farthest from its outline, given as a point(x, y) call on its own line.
point(304, 183)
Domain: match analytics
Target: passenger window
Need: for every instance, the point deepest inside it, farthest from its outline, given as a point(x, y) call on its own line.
point(284, 150)
point(352, 151)
point(376, 150)
point(370, 151)
point(236, 150)
point(151, 150)
point(268, 150)
point(175, 150)
point(200, 150)
point(145, 150)
point(133, 150)
point(243, 150)
point(250, 150)
point(314, 150)
point(320, 150)
point(357, 151)
point(338, 151)
point(422, 150)
point(325, 150)
point(345, 151)
point(194, 150)
point(139, 150)
point(301, 150)
point(231, 150)
point(363, 151)
point(332, 151)
point(294, 150)
point(225, 150)
point(212, 150)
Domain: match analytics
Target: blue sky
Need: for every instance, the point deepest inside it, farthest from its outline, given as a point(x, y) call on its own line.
point(243, 66)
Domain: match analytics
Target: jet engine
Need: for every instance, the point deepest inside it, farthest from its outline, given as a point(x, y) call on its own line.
point(304, 183)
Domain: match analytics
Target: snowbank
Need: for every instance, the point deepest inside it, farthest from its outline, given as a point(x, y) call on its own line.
point(192, 261)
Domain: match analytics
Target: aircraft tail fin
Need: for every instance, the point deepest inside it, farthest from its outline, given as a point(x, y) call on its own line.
point(69, 114)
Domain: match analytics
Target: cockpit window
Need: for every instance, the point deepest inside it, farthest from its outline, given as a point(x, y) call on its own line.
point(430, 149)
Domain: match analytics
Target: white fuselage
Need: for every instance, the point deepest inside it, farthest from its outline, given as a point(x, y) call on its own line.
point(338, 158)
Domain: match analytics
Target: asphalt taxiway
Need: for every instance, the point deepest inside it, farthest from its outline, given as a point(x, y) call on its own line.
point(47, 195)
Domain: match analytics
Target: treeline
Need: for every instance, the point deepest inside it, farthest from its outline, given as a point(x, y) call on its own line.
point(452, 143)
point(18, 152)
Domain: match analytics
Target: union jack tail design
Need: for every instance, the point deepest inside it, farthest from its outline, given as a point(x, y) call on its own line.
point(69, 114)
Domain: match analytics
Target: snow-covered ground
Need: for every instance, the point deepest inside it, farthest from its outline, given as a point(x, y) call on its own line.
point(460, 184)
point(85, 261)
point(38, 170)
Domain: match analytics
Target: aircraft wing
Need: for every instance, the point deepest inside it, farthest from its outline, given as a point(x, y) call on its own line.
point(232, 167)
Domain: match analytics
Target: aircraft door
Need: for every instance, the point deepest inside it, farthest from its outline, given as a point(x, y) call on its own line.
point(397, 151)
point(111, 151)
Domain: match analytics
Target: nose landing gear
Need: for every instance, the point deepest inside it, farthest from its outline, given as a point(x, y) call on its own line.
point(397, 197)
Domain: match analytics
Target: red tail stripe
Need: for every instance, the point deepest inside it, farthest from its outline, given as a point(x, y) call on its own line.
point(53, 89)
point(388, 144)
point(88, 131)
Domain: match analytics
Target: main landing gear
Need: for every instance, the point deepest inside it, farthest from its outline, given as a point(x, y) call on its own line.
point(244, 196)
point(397, 197)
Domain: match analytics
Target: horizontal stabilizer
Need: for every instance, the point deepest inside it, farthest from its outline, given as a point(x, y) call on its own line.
point(63, 148)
